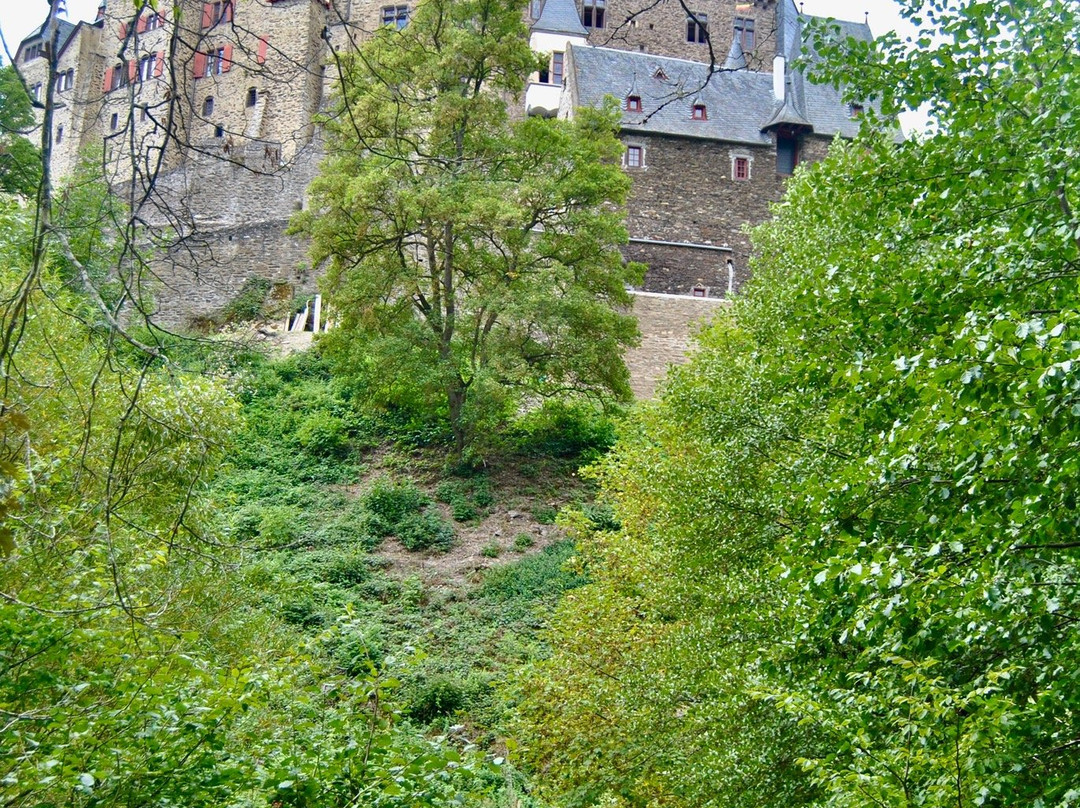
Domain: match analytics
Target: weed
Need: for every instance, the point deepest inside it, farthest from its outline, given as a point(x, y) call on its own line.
point(491, 550)
point(394, 501)
point(426, 530)
point(523, 541)
point(545, 514)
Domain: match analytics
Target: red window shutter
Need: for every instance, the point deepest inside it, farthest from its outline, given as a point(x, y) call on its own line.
point(123, 30)
point(159, 63)
point(140, 26)
point(207, 15)
point(106, 85)
point(261, 57)
point(199, 68)
point(226, 14)
point(228, 59)
point(133, 70)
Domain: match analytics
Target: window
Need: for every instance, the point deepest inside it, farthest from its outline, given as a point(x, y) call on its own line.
point(114, 121)
point(208, 106)
point(252, 96)
point(143, 113)
point(146, 67)
point(744, 32)
point(787, 154)
point(69, 79)
point(855, 110)
point(397, 16)
point(219, 131)
point(215, 12)
point(740, 168)
point(635, 157)
point(633, 103)
point(36, 92)
point(34, 51)
point(697, 28)
point(153, 21)
point(660, 74)
point(118, 77)
point(554, 73)
point(215, 62)
point(59, 134)
point(592, 13)
point(698, 113)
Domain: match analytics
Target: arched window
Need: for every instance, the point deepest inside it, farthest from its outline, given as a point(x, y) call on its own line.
point(208, 106)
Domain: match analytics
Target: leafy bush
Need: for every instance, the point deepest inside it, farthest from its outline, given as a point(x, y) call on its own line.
point(302, 612)
point(545, 514)
point(321, 434)
point(467, 498)
point(601, 517)
point(523, 541)
point(491, 550)
point(359, 651)
point(249, 301)
point(564, 429)
point(425, 530)
point(436, 697)
point(518, 586)
point(393, 501)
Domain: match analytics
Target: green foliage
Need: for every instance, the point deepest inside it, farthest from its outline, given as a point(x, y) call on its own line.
point(491, 550)
point(576, 429)
point(451, 299)
point(425, 530)
point(437, 697)
point(846, 570)
point(394, 500)
point(249, 303)
point(523, 541)
point(545, 514)
point(468, 498)
point(20, 160)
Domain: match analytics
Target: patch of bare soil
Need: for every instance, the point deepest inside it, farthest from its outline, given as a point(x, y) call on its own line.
point(521, 495)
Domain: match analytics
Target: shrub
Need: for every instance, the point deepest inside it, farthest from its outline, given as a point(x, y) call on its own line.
point(491, 550)
point(523, 541)
point(301, 612)
point(321, 434)
point(601, 517)
point(545, 514)
point(434, 698)
point(393, 501)
point(249, 301)
point(426, 530)
point(564, 429)
point(359, 651)
point(463, 510)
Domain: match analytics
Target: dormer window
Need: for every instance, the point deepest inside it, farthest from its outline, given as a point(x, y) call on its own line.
point(855, 111)
point(660, 74)
point(744, 33)
point(697, 112)
point(592, 13)
point(34, 51)
point(633, 103)
point(697, 28)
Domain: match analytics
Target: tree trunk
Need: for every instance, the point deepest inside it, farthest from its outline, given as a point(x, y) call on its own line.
point(455, 399)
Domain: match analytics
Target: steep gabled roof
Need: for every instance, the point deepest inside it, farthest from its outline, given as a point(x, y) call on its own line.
point(560, 17)
point(66, 30)
point(739, 103)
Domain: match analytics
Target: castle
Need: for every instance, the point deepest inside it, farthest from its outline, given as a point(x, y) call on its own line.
point(213, 114)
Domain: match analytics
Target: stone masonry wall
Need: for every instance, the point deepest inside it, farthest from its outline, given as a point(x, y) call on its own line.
point(667, 324)
point(686, 192)
point(660, 27)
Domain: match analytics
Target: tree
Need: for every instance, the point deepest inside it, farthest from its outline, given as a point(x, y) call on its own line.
point(471, 255)
point(868, 473)
point(20, 162)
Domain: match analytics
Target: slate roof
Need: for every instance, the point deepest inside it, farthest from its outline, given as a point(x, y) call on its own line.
point(560, 17)
point(738, 104)
point(66, 30)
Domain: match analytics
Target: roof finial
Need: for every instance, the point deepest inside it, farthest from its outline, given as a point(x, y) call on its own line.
point(866, 18)
point(101, 11)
